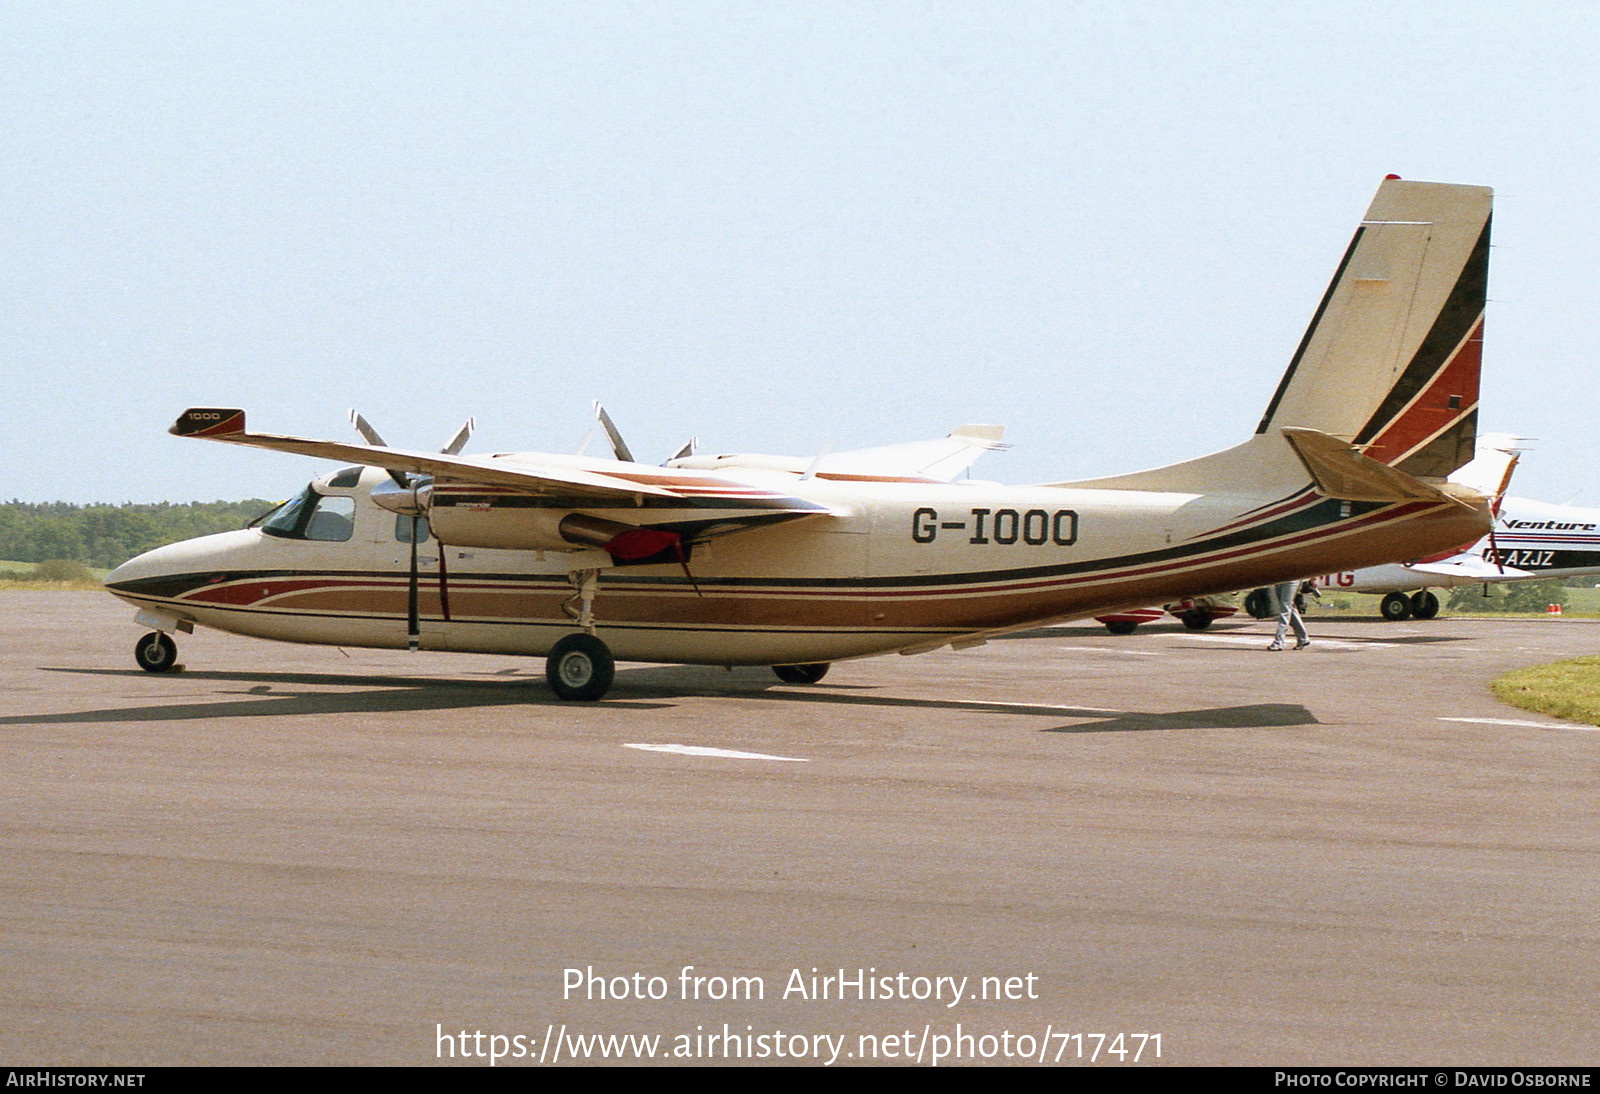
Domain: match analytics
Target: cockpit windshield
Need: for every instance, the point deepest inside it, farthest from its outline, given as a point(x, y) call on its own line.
point(314, 516)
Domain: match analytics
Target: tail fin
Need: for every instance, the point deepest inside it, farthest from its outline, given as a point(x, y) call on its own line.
point(1390, 361)
point(1391, 358)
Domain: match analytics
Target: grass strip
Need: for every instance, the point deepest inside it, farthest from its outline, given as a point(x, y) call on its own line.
point(1566, 689)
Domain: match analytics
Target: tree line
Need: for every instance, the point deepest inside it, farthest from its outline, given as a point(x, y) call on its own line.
point(103, 536)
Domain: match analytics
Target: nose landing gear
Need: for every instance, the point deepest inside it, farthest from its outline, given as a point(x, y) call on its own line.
point(156, 652)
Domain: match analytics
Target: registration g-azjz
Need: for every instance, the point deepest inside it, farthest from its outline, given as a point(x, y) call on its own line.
point(1034, 527)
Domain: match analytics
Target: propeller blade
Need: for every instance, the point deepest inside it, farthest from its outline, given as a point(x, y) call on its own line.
point(619, 447)
point(413, 629)
point(444, 582)
point(368, 434)
point(459, 441)
point(1494, 510)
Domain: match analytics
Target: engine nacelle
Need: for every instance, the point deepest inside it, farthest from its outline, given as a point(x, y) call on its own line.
point(523, 528)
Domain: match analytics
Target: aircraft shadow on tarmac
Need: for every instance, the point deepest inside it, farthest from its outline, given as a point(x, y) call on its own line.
point(1253, 716)
point(378, 694)
point(1177, 630)
point(643, 688)
point(1102, 721)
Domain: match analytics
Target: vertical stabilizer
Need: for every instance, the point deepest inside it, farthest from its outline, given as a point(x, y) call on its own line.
point(1390, 361)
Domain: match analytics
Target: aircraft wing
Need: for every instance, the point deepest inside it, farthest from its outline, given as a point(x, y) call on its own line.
point(527, 474)
point(942, 459)
point(939, 460)
point(1472, 567)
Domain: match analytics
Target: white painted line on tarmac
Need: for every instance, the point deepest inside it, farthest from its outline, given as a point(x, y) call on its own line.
point(1233, 639)
point(1110, 649)
point(719, 753)
point(1066, 709)
point(1262, 640)
point(1530, 725)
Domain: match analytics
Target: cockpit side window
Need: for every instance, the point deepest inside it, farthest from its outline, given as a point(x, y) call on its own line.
point(313, 516)
point(334, 520)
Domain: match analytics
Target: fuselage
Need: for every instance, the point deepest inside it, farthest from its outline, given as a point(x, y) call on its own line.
point(892, 566)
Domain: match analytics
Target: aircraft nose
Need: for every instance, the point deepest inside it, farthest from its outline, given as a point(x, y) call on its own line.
point(155, 563)
point(204, 555)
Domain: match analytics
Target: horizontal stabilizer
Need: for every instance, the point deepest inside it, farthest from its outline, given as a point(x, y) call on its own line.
point(1340, 471)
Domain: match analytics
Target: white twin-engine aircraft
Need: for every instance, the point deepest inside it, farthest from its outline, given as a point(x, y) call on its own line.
point(796, 563)
point(1531, 541)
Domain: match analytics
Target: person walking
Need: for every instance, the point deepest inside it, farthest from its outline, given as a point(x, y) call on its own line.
point(1284, 594)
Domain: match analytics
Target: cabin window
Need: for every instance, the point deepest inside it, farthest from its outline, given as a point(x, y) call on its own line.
point(313, 516)
point(404, 525)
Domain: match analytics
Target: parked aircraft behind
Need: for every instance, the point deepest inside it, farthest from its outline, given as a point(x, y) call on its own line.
point(796, 563)
point(1531, 540)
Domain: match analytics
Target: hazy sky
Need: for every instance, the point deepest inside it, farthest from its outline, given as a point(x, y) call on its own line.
point(780, 227)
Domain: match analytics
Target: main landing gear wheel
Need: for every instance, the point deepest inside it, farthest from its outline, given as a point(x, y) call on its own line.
point(580, 668)
point(1196, 620)
point(1424, 605)
point(1396, 607)
point(1121, 626)
point(1258, 605)
point(801, 674)
point(156, 652)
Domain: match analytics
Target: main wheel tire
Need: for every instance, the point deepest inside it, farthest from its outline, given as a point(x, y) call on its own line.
point(801, 674)
point(1396, 607)
point(1197, 620)
point(580, 668)
point(1424, 605)
point(1258, 604)
point(156, 652)
point(1121, 626)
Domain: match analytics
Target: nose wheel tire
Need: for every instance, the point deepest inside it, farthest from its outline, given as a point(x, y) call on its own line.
point(580, 668)
point(1197, 620)
point(1121, 626)
point(801, 674)
point(156, 652)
